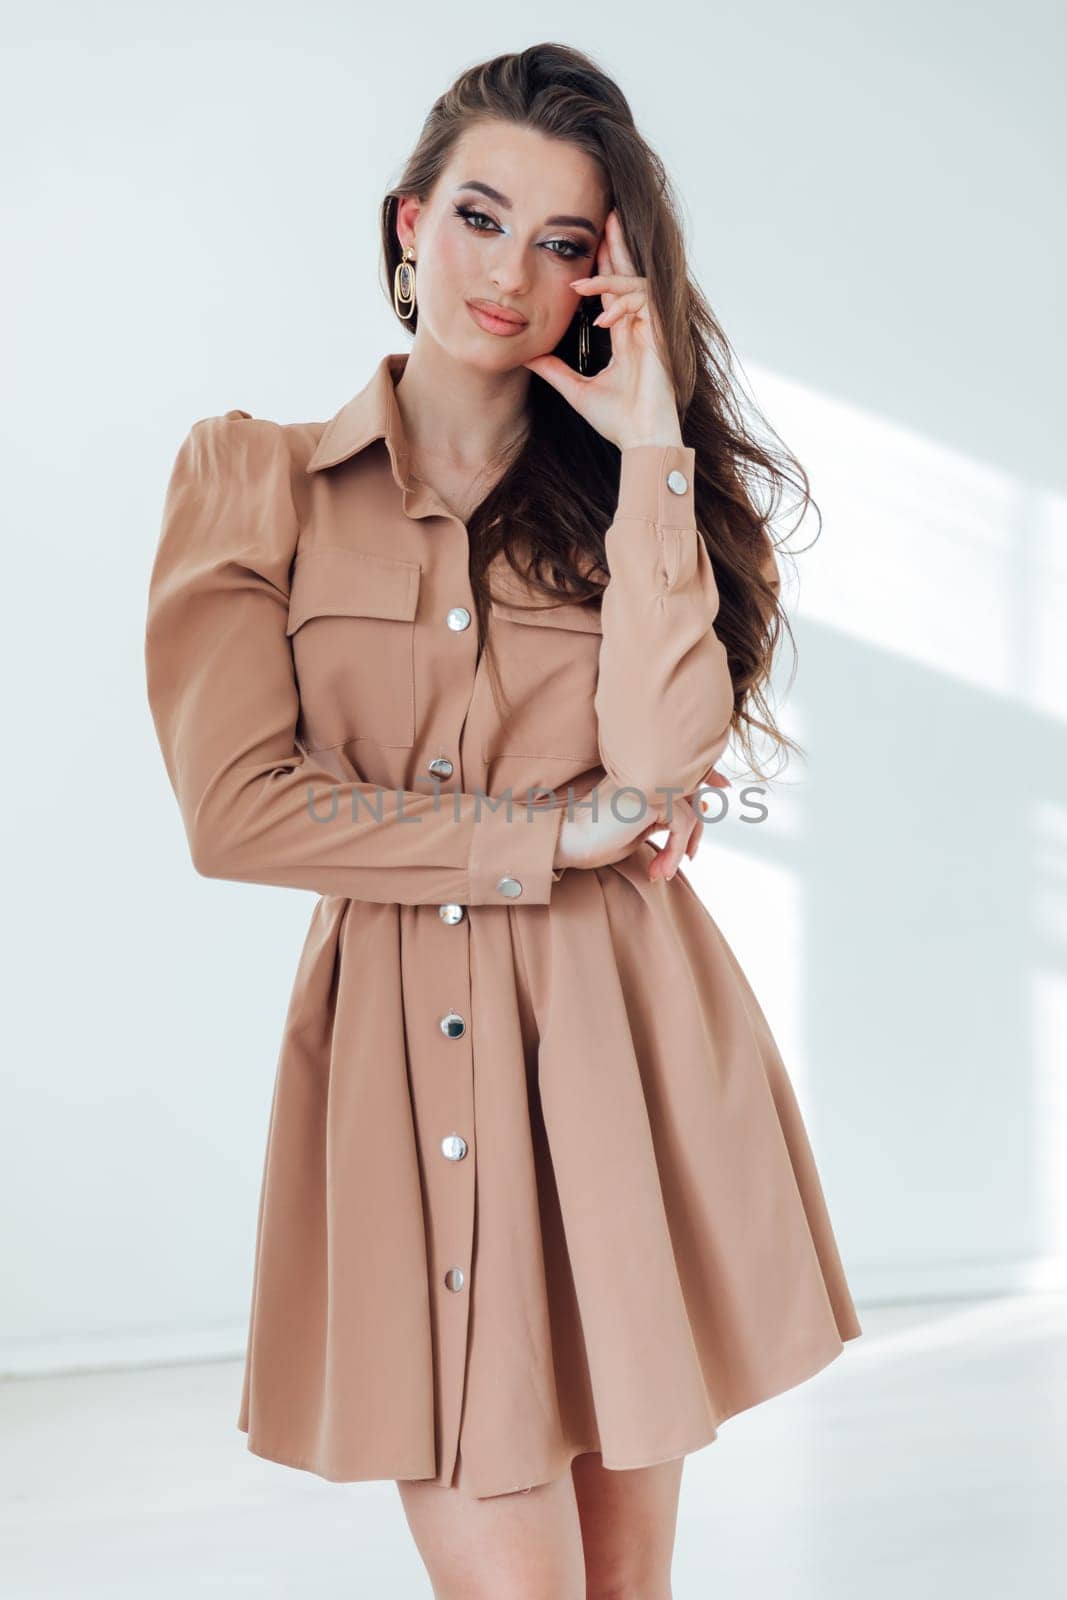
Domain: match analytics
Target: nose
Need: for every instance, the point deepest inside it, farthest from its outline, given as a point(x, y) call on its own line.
point(508, 273)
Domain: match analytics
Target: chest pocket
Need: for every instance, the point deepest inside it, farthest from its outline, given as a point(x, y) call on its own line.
point(352, 628)
point(548, 658)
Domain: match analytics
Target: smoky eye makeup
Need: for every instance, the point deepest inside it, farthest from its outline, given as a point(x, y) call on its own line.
point(474, 217)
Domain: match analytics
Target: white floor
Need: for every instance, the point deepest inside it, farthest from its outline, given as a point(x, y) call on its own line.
point(929, 1461)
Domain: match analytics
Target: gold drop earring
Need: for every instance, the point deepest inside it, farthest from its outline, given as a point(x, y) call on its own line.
point(404, 284)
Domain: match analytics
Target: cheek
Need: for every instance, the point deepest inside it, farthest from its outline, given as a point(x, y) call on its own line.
point(448, 280)
point(561, 304)
point(456, 259)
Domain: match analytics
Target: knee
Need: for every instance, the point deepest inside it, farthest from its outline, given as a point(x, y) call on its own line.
point(630, 1587)
point(519, 1588)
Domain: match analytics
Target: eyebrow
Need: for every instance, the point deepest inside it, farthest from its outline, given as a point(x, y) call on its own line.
point(502, 200)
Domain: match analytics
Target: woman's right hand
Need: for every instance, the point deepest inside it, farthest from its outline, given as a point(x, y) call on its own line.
point(612, 832)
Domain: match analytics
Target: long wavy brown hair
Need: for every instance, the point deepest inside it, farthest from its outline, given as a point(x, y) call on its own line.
point(550, 510)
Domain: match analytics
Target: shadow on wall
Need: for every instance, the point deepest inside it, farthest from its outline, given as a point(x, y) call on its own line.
point(919, 860)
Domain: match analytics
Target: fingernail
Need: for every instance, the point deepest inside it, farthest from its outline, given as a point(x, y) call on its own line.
point(578, 280)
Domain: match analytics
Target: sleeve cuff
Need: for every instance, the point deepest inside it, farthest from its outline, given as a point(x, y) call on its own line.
point(646, 495)
point(514, 843)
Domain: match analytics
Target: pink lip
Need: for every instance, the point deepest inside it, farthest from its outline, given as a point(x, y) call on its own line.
point(495, 321)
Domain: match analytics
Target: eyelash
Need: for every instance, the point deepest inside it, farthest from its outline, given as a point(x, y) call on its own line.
point(575, 252)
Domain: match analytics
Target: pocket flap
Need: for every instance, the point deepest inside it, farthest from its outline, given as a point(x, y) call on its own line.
point(578, 616)
point(333, 581)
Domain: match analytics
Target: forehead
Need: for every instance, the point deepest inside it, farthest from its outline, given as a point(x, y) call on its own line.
point(537, 173)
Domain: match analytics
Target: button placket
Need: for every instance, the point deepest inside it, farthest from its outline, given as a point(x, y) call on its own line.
point(441, 1053)
point(442, 1067)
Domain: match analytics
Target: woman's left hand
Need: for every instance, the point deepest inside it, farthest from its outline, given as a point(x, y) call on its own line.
point(632, 400)
point(685, 830)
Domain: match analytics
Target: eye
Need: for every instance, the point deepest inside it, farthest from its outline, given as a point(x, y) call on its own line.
point(573, 250)
point(480, 222)
point(470, 216)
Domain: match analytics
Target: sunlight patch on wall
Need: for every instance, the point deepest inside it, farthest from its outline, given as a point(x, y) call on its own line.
point(925, 551)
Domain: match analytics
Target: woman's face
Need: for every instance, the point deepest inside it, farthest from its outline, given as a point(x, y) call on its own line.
point(516, 247)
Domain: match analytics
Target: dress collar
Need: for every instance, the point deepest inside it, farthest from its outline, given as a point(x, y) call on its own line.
point(371, 414)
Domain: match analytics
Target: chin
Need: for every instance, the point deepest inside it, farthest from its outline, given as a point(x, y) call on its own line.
point(498, 355)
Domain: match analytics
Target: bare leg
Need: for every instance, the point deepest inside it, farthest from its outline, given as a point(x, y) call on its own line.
point(525, 1546)
point(628, 1520)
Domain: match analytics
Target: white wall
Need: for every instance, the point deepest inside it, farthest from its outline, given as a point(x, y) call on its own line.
point(874, 197)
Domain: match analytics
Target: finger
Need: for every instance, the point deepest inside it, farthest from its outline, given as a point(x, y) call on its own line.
point(667, 862)
point(604, 261)
point(605, 258)
point(619, 251)
point(707, 811)
point(693, 844)
point(625, 305)
point(655, 867)
point(562, 377)
point(710, 780)
point(610, 241)
point(617, 282)
point(597, 285)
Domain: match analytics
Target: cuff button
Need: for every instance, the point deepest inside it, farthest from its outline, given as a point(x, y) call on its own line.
point(677, 482)
point(510, 887)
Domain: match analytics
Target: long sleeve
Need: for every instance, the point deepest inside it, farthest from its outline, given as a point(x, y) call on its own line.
point(225, 703)
point(665, 698)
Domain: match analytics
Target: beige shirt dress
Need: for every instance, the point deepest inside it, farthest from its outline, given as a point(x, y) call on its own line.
point(536, 1181)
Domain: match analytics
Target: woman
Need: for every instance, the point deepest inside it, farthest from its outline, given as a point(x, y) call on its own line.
point(522, 989)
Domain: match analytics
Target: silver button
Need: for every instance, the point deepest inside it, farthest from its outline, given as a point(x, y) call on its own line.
point(458, 618)
point(454, 1278)
point(509, 886)
point(454, 1147)
point(441, 767)
point(453, 1025)
point(677, 482)
point(450, 913)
